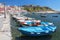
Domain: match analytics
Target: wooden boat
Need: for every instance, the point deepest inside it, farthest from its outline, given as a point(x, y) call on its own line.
point(55, 16)
point(37, 29)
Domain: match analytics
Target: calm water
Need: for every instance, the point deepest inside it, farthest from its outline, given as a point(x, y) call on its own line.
point(55, 18)
point(52, 17)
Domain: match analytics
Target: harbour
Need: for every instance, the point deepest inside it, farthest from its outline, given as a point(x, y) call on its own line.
point(29, 20)
point(50, 18)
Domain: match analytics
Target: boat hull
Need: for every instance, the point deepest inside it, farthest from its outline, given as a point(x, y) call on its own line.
point(36, 31)
point(35, 34)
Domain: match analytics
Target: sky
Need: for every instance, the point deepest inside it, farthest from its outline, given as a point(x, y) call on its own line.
point(54, 4)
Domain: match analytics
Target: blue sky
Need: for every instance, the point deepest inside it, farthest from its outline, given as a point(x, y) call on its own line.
point(54, 4)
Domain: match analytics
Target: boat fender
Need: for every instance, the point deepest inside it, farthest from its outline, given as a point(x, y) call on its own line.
point(32, 33)
point(38, 33)
point(47, 31)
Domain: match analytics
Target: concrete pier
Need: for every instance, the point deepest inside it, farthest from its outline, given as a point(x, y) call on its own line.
point(5, 31)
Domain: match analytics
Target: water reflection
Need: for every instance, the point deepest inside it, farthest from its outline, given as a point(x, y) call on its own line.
point(47, 37)
point(48, 18)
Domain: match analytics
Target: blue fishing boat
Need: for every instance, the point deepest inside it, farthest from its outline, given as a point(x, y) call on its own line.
point(43, 28)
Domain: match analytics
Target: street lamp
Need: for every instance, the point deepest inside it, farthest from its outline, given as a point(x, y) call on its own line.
point(4, 10)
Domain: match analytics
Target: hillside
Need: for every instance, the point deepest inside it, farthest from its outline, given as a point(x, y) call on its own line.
point(32, 8)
